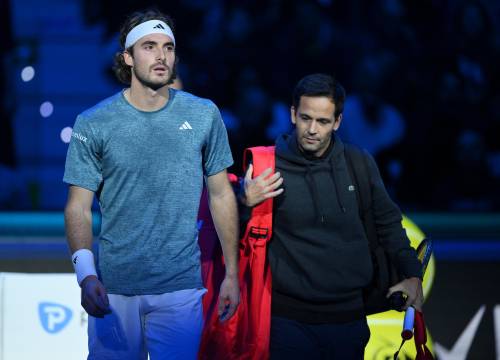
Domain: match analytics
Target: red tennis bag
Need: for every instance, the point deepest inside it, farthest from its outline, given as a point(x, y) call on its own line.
point(246, 334)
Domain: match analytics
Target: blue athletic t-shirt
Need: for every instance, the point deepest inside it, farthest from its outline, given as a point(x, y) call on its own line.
point(147, 170)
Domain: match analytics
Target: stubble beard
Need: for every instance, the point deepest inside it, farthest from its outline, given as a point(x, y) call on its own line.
point(311, 149)
point(144, 81)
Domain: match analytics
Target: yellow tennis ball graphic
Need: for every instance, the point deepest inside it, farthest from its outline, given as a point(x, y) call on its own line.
point(385, 328)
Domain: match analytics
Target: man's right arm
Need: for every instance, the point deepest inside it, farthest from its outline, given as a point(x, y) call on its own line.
point(78, 218)
point(78, 223)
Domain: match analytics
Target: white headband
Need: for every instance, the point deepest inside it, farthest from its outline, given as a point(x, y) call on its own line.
point(146, 28)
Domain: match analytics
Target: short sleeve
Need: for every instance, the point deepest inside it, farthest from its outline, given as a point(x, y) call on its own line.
point(83, 160)
point(217, 153)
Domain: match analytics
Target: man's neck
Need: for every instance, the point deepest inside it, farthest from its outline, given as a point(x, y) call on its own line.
point(145, 98)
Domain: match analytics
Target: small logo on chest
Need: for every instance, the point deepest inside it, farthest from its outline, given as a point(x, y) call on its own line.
point(351, 188)
point(185, 126)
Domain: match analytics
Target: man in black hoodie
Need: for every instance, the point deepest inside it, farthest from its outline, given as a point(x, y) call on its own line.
point(319, 253)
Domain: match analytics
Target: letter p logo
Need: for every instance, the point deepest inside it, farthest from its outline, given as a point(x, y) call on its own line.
point(54, 317)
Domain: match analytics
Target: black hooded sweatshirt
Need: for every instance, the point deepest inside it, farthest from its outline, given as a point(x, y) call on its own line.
point(319, 253)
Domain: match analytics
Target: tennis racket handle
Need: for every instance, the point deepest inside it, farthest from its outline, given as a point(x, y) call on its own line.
point(407, 332)
point(397, 301)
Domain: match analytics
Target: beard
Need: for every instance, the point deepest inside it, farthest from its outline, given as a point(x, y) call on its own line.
point(155, 85)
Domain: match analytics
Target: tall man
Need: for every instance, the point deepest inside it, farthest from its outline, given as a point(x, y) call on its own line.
point(319, 253)
point(144, 153)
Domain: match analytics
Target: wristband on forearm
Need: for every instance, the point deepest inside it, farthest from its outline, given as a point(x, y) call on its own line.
point(83, 262)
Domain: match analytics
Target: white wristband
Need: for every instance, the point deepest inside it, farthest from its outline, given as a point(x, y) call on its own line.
point(83, 262)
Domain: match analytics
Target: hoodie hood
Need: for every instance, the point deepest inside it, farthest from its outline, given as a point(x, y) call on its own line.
point(287, 149)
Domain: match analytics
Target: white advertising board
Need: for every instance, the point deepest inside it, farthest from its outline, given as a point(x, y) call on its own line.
point(41, 317)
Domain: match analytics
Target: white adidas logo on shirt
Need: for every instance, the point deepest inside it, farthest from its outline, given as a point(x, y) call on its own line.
point(185, 126)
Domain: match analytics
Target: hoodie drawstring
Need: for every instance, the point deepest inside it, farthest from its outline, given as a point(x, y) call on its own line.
point(314, 190)
point(337, 192)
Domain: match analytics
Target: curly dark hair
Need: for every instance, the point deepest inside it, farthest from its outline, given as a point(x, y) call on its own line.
point(123, 71)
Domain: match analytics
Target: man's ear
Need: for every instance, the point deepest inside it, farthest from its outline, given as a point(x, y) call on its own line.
point(292, 115)
point(129, 60)
point(337, 122)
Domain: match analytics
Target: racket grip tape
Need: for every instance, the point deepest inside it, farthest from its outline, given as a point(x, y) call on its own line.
point(409, 320)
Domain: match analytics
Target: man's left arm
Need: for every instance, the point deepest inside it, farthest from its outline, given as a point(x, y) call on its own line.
point(393, 238)
point(223, 208)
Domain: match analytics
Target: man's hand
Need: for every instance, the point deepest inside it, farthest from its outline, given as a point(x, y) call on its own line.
point(94, 297)
point(261, 188)
point(229, 297)
point(412, 288)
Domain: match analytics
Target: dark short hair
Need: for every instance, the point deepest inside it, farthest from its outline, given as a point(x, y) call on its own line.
point(320, 85)
point(123, 71)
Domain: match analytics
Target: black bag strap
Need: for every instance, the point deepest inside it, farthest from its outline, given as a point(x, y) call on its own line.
point(358, 170)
